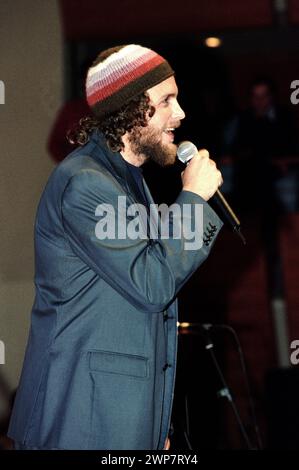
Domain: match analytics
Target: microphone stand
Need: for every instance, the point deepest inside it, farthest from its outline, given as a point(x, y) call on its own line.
point(225, 391)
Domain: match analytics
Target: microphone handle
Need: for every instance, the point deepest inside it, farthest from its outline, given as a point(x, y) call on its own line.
point(228, 213)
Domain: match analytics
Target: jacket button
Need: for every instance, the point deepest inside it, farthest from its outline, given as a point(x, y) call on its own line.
point(166, 367)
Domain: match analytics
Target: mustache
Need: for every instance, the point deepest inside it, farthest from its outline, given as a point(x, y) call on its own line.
point(177, 125)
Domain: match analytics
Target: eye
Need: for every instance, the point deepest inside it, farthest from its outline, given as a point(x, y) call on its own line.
point(166, 100)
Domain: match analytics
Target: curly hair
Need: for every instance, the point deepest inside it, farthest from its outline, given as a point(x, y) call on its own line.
point(133, 114)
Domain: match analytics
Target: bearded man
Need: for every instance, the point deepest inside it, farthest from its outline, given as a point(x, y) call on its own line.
point(100, 362)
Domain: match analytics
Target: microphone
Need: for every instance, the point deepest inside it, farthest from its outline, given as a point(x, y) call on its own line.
point(185, 152)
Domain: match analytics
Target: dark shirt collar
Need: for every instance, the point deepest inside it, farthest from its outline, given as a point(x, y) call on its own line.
point(129, 174)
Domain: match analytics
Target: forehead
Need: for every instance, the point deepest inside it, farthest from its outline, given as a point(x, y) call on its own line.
point(167, 87)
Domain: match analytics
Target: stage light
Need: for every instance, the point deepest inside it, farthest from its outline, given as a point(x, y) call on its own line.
point(183, 324)
point(213, 42)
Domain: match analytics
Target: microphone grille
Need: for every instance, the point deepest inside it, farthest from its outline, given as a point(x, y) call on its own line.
point(186, 150)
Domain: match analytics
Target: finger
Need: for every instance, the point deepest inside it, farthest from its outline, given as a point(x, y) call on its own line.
point(167, 444)
point(220, 178)
point(203, 153)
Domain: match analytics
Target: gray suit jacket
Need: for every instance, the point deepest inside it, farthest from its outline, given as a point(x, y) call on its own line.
point(100, 362)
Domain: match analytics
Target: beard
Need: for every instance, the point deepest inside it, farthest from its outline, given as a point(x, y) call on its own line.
point(146, 142)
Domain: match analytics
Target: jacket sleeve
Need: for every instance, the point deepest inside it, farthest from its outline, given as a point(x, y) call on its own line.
point(147, 272)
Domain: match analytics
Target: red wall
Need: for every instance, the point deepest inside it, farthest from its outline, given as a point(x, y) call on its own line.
point(94, 19)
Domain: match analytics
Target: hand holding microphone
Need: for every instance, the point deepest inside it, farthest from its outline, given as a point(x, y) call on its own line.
point(202, 177)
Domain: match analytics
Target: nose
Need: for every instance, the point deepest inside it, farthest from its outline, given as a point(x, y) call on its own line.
point(177, 112)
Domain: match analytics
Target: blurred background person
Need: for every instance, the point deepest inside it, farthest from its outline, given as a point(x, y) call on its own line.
point(261, 135)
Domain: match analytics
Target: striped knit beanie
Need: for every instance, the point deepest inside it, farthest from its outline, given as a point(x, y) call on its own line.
point(123, 75)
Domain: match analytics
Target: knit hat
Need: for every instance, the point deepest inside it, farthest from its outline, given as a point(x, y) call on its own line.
point(123, 75)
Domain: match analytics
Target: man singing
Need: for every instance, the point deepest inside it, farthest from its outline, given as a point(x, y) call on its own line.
point(101, 356)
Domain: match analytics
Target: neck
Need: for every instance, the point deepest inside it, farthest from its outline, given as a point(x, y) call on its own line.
point(129, 155)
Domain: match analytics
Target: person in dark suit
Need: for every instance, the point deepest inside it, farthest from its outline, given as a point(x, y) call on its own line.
point(100, 362)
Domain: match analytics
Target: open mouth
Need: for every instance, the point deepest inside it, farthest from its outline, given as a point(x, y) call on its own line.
point(170, 132)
